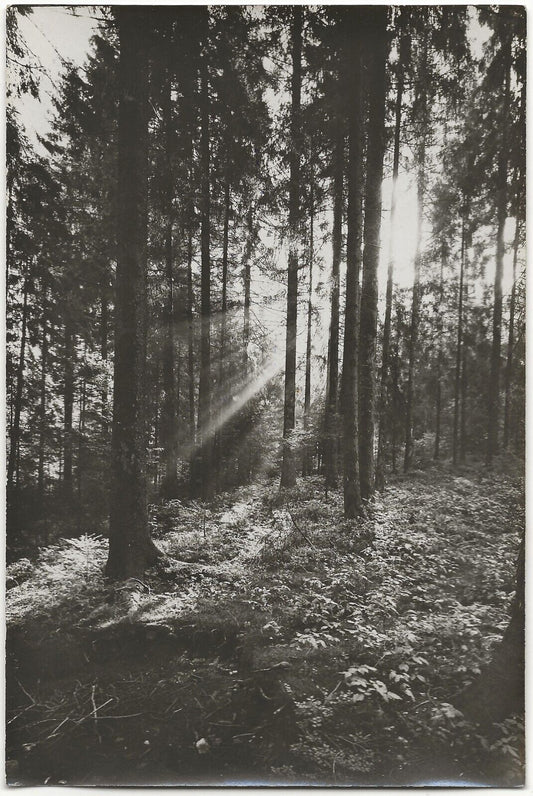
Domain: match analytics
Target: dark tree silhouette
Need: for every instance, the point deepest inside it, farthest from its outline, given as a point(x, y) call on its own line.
point(130, 547)
point(288, 468)
point(354, 102)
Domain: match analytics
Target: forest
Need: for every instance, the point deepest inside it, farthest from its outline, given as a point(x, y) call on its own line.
point(265, 394)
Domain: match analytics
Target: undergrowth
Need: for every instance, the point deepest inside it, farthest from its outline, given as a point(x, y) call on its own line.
point(376, 627)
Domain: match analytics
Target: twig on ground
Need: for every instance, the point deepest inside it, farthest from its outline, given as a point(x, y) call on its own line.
point(307, 539)
point(353, 743)
point(91, 714)
point(34, 701)
point(28, 707)
point(57, 728)
point(95, 713)
point(332, 692)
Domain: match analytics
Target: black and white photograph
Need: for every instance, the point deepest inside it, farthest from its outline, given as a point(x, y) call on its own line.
point(265, 395)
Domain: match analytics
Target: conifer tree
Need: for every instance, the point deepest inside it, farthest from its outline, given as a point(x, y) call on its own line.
point(130, 547)
point(354, 170)
point(376, 54)
point(288, 468)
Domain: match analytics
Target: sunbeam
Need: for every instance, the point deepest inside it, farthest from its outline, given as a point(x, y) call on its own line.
point(269, 369)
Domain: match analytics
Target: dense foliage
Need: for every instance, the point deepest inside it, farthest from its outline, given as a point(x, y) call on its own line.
point(62, 253)
point(366, 635)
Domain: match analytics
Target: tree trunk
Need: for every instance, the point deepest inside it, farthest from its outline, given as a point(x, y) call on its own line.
point(219, 446)
point(157, 417)
point(385, 354)
point(415, 316)
point(510, 344)
point(308, 450)
point(415, 307)
point(178, 380)
point(104, 331)
point(395, 390)
point(439, 328)
point(68, 404)
point(499, 690)
point(247, 285)
point(80, 464)
point(288, 470)
point(42, 399)
point(464, 388)
point(203, 463)
point(376, 75)
point(130, 548)
point(495, 364)
point(332, 398)
point(225, 247)
point(243, 461)
point(352, 492)
point(458, 353)
point(169, 414)
point(190, 342)
point(14, 447)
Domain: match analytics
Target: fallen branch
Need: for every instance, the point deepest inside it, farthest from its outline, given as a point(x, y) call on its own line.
point(307, 539)
point(328, 697)
point(91, 714)
point(95, 713)
point(57, 728)
point(34, 702)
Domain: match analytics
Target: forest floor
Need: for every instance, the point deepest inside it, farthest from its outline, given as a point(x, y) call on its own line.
point(276, 644)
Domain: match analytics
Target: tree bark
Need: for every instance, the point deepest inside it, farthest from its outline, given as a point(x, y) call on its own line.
point(190, 341)
point(157, 417)
point(385, 353)
point(130, 548)
point(458, 352)
point(169, 414)
point(464, 391)
point(80, 464)
point(222, 370)
point(332, 398)
point(104, 331)
point(352, 492)
point(68, 404)
point(203, 464)
point(510, 344)
point(14, 447)
point(247, 285)
point(308, 453)
point(395, 390)
point(439, 327)
point(415, 307)
point(377, 49)
point(225, 248)
point(178, 382)
point(499, 690)
point(243, 462)
point(495, 363)
point(288, 470)
point(42, 398)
